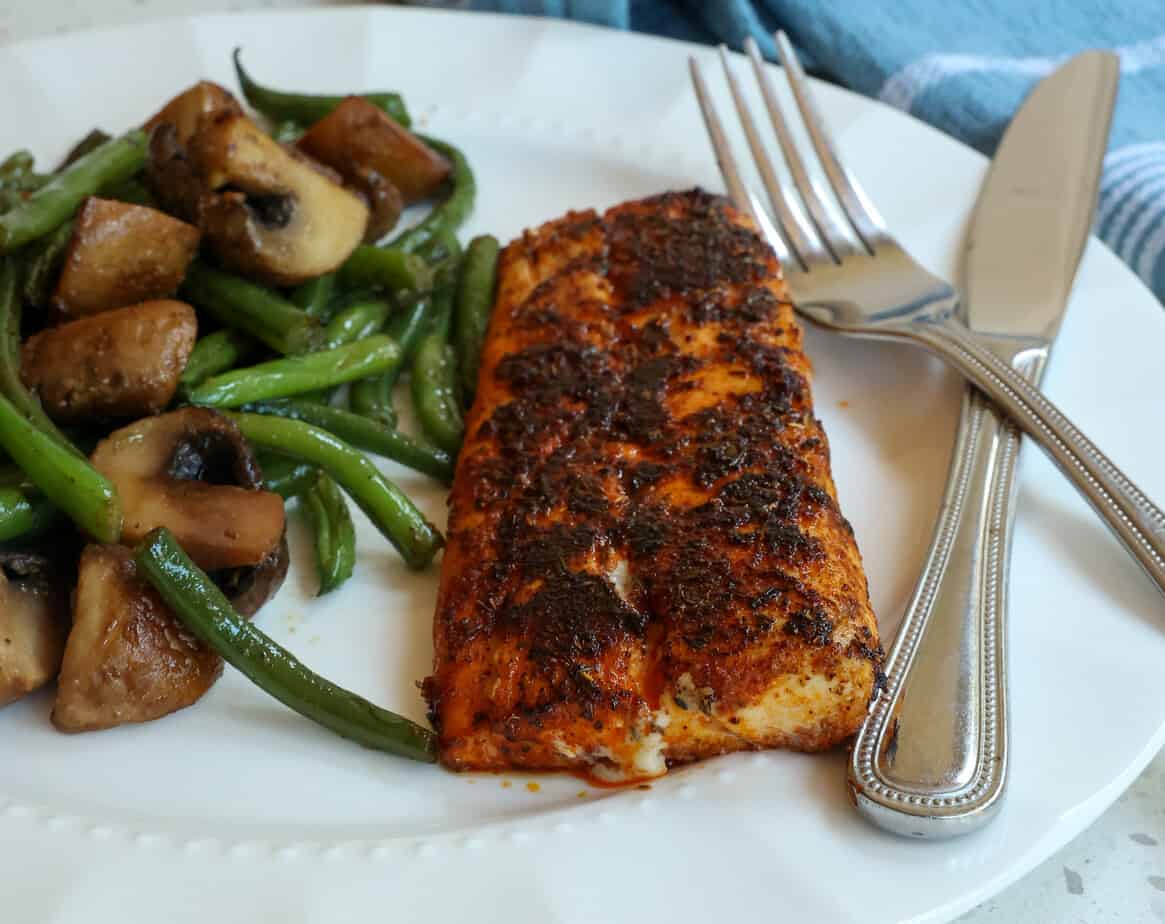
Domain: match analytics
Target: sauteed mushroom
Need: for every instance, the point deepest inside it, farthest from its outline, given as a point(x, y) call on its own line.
point(357, 134)
point(122, 254)
point(122, 363)
point(128, 659)
point(190, 108)
point(266, 211)
point(191, 471)
point(32, 624)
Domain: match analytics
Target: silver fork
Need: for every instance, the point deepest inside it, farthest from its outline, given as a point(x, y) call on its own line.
point(846, 272)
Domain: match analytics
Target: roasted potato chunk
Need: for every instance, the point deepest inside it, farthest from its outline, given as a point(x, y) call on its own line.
point(358, 135)
point(128, 658)
point(122, 254)
point(32, 632)
point(192, 472)
point(190, 108)
point(122, 363)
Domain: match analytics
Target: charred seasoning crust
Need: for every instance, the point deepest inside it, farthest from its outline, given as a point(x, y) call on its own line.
point(580, 453)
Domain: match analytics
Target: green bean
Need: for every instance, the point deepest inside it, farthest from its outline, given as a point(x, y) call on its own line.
point(287, 132)
point(475, 298)
point(91, 142)
point(372, 397)
point(365, 434)
point(304, 109)
point(132, 191)
point(434, 376)
point(285, 476)
point(207, 613)
point(22, 516)
point(441, 247)
point(294, 375)
point(42, 261)
point(386, 505)
point(327, 510)
point(17, 189)
point(12, 476)
point(65, 478)
point(434, 388)
point(56, 201)
point(249, 307)
point(16, 164)
point(450, 214)
point(385, 268)
point(214, 354)
point(315, 296)
point(356, 322)
point(444, 293)
point(362, 318)
point(11, 386)
point(22, 185)
point(10, 198)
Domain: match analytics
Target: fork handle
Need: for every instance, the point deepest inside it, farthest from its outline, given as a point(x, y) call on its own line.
point(931, 758)
point(1135, 520)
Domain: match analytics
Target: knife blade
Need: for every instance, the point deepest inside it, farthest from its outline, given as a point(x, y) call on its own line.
point(1035, 208)
point(942, 768)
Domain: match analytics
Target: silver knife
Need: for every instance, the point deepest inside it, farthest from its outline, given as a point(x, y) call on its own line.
point(931, 759)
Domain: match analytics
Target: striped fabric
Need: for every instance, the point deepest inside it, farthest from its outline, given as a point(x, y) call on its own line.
point(964, 67)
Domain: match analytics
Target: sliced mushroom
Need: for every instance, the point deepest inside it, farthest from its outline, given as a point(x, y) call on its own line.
point(32, 625)
point(122, 254)
point(123, 363)
point(190, 108)
point(193, 472)
point(249, 588)
point(265, 210)
point(170, 175)
point(385, 203)
point(359, 135)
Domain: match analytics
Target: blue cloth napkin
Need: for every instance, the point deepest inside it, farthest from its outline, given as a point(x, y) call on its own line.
point(964, 67)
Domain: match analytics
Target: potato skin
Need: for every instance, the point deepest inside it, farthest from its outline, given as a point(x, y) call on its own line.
point(128, 658)
point(121, 363)
point(122, 254)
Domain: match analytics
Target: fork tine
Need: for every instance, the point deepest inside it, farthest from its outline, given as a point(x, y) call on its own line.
point(798, 228)
point(837, 236)
point(727, 162)
point(862, 215)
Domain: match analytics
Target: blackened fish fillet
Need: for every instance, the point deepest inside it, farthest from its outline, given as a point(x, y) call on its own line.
point(646, 560)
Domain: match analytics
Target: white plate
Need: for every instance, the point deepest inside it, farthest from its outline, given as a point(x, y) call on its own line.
point(239, 809)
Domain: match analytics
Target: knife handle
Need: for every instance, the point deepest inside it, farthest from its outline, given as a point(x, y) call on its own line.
point(931, 758)
point(1135, 520)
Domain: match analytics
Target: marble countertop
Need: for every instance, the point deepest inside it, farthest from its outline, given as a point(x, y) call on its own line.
point(1113, 872)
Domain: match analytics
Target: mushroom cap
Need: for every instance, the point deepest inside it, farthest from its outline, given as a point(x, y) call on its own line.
point(268, 211)
point(190, 108)
point(192, 471)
